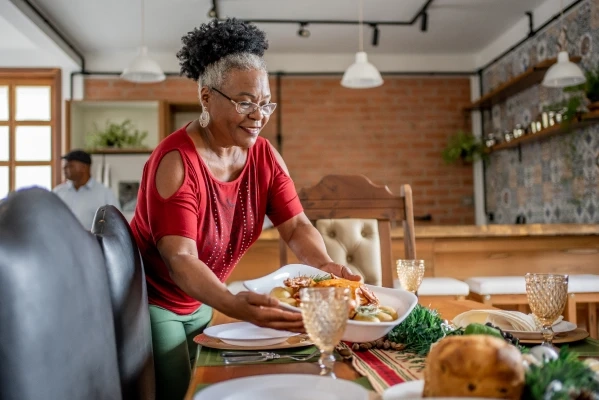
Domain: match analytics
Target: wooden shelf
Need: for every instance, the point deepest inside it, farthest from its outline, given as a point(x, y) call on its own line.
point(121, 151)
point(530, 77)
point(83, 116)
point(586, 119)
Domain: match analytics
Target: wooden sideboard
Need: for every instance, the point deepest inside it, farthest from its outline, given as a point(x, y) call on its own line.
point(465, 251)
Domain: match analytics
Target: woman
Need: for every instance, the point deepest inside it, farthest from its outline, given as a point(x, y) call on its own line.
point(203, 198)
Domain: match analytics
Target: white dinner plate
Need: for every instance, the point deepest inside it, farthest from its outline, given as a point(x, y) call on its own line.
point(402, 301)
point(284, 386)
point(406, 390)
point(246, 334)
point(412, 390)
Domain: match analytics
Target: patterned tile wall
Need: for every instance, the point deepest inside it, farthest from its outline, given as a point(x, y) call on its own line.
point(557, 179)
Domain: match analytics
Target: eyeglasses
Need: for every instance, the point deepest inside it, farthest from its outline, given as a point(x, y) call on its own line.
point(247, 107)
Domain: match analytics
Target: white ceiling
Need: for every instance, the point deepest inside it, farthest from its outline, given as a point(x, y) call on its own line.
point(454, 26)
point(12, 39)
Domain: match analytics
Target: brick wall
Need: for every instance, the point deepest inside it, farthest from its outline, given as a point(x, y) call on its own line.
point(393, 134)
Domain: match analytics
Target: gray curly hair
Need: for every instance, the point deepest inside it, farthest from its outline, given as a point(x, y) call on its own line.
point(216, 73)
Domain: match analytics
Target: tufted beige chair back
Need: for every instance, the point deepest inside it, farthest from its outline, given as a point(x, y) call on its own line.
point(355, 196)
point(354, 243)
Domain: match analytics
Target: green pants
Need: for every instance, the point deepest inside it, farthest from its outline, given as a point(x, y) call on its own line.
point(174, 349)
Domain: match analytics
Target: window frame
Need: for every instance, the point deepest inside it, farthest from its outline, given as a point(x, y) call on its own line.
point(13, 77)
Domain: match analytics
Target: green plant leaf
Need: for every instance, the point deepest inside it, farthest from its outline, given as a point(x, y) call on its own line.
point(114, 135)
point(463, 146)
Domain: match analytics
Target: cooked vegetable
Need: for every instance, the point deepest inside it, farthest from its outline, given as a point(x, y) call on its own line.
point(389, 310)
point(384, 317)
point(280, 293)
point(290, 301)
point(420, 329)
point(366, 317)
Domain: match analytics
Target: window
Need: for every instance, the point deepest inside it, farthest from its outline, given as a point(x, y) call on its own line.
point(29, 129)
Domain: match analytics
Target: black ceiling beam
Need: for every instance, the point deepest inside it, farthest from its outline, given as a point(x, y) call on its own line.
point(324, 22)
point(57, 32)
point(422, 10)
point(412, 21)
point(531, 33)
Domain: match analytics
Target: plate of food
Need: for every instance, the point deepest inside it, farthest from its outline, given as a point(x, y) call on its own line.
point(247, 335)
point(374, 311)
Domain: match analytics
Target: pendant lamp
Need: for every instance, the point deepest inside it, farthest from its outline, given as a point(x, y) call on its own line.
point(564, 72)
point(143, 69)
point(361, 74)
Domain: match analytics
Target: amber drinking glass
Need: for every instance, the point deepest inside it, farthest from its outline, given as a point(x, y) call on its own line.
point(547, 295)
point(410, 274)
point(325, 312)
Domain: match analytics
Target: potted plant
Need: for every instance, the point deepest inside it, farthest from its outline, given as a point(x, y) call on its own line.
point(590, 88)
point(124, 136)
point(464, 147)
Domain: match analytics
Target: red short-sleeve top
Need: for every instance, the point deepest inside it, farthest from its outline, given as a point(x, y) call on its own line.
point(224, 218)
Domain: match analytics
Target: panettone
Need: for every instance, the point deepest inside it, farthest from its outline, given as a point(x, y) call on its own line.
point(474, 366)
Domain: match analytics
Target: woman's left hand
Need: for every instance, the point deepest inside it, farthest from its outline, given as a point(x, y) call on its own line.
point(340, 270)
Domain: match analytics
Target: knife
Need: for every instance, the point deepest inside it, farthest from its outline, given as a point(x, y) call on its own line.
point(243, 353)
point(229, 360)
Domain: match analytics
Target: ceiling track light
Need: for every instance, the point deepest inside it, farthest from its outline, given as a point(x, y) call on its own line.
point(303, 32)
point(375, 34)
point(424, 22)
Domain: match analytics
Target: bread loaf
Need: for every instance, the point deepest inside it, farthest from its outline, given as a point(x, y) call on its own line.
point(474, 366)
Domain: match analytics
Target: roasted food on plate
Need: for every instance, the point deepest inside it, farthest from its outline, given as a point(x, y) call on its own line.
point(474, 366)
point(364, 305)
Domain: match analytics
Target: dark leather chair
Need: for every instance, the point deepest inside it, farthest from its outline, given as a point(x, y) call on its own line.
point(56, 328)
point(129, 303)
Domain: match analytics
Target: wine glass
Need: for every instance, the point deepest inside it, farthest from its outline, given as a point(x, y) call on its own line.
point(410, 274)
point(325, 312)
point(547, 295)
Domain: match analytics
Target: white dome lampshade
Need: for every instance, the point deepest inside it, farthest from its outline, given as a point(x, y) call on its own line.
point(143, 69)
point(563, 73)
point(361, 74)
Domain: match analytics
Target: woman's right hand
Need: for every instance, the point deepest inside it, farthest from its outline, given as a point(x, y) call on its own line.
point(263, 310)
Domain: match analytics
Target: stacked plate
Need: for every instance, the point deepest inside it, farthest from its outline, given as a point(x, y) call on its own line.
point(247, 335)
point(520, 325)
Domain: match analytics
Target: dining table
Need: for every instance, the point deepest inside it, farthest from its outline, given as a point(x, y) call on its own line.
point(205, 375)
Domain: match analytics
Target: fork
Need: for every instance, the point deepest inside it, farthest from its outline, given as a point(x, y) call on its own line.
point(233, 356)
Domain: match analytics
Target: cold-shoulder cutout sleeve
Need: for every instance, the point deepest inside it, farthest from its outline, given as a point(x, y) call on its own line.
point(173, 199)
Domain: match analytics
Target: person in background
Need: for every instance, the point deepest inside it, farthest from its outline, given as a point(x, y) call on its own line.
point(203, 198)
point(82, 193)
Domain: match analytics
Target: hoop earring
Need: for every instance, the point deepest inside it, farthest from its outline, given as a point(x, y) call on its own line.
point(204, 118)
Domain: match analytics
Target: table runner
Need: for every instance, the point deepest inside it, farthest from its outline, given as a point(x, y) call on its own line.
point(385, 368)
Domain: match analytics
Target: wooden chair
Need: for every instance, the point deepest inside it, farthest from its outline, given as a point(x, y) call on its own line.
point(355, 196)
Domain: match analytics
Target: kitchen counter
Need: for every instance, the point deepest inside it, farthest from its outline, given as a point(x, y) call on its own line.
point(467, 250)
point(475, 231)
